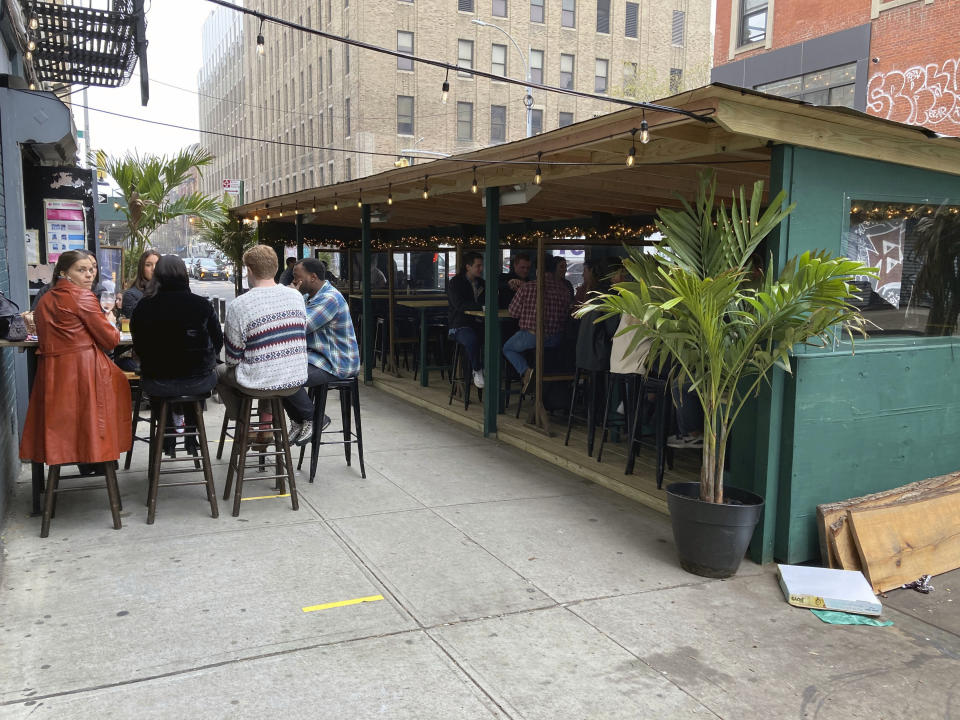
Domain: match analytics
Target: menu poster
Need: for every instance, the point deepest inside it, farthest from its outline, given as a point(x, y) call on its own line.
point(65, 225)
point(31, 239)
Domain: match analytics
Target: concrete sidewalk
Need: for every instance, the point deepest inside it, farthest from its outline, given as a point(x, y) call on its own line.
point(509, 589)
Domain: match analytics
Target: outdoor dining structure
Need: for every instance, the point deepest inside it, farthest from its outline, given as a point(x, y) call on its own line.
point(842, 424)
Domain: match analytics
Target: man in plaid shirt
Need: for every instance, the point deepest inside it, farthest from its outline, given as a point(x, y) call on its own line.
point(523, 307)
point(332, 352)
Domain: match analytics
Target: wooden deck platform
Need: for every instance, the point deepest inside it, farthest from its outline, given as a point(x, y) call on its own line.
point(641, 485)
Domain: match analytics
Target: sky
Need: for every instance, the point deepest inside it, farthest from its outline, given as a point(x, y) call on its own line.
point(174, 29)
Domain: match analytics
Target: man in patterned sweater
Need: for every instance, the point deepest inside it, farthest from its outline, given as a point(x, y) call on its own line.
point(332, 344)
point(265, 343)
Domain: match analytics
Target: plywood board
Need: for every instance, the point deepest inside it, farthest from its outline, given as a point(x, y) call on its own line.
point(899, 543)
point(836, 545)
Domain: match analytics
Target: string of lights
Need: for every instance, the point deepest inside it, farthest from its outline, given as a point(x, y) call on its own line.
point(879, 213)
point(263, 17)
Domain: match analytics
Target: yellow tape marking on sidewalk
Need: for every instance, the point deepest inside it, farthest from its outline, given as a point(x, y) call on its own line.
point(342, 603)
point(265, 497)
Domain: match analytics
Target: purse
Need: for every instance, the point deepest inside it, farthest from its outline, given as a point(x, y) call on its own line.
point(12, 325)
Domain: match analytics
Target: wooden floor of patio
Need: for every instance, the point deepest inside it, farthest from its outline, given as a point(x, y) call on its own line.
point(641, 485)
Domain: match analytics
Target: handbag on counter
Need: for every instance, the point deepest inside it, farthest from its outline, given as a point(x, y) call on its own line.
point(12, 325)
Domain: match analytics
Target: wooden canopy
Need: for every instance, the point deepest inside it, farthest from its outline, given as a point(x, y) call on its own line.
point(584, 173)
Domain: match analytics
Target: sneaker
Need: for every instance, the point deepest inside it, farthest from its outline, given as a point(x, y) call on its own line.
point(677, 441)
point(305, 435)
point(525, 379)
point(293, 430)
point(478, 379)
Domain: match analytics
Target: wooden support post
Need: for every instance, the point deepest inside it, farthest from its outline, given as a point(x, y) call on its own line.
point(391, 307)
point(538, 417)
point(492, 339)
point(367, 316)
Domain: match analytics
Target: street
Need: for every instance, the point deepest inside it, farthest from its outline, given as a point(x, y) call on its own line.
point(213, 288)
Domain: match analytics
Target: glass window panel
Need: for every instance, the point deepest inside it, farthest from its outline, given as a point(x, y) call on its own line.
point(536, 11)
point(679, 21)
point(842, 95)
point(600, 75)
point(405, 45)
point(404, 115)
point(499, 8)
point(498, 63)
point(566, 71)
point(464, 121)
point(568, 13)
point(498, 123)
point(536, 66)
point(632, 14)
point(790, 87)
point(603, 16)
point(536, 117)
point(465, 56)
point(566, 118)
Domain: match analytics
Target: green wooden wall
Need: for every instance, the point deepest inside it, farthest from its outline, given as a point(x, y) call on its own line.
point(850, 424)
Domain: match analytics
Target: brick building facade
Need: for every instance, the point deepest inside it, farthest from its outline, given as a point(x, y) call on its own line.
point(316, 93)
point(897, 59)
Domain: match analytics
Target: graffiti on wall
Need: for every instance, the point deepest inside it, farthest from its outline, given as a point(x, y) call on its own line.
point(922, 95)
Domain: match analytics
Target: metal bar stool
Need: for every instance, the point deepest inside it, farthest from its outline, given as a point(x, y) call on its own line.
point(461, 374)
point(661, 417)
point(349, 400)
point(626, 385)
point(53, 488)
point(241, 455)
point(162, 411)
point(593, 381)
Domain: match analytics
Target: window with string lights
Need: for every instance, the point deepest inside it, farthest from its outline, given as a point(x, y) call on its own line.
point(916, 250)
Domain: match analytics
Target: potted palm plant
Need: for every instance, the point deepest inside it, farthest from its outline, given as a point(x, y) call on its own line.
point(721, 325)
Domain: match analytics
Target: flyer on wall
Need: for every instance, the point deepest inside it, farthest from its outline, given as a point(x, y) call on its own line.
point(65, 225)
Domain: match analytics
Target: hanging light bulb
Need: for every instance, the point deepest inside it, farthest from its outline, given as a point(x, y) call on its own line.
point(359, 198)
point(426, 190)
point(474, 187)
point(313, 208)
point(389, 193)
point(256, 218)
point(632, 155)
point(28, 55)
point(336, 205)
point(260, 47)
point(34, 23)
point(33, 86)
point(644, 130)
point(268, 216)
point(538, 177)
point(280, 214)
point(445, 88)
point(31, 45)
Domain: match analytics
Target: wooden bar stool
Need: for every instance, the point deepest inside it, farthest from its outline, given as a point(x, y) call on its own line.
point(136, 392)
point(241, 455)
point(161, 413)
point(226, 431)
point(53, 488)
point(349, 400)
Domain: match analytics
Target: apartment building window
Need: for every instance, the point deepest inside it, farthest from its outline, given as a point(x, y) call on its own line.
point(566, 71)
point(568, 13)
point(332, 173)
point(330, 124)
point(536, 120)
point(404, 115)
point(329, 67)
point(310, 126)
point(320, 73)
point(348, 170)
point(312, 177)
point(309, 80)
point(320, 175)
point(346, 3)
point(465, 6)
point(833, 86)
point(498, 123)
point(301, 34)
point(301, 87)
point(630, 79)
point(464, 121)
point(308, 17)
point(536, 11)
point(679, 20)
point(320, 128)
point(632, 18)
point(600, 75)
point(603, 16)
point(288, 185)
point(753, 21)
point(566, 118)
point(405, 45)
point(346, 117)
point(676, 80)
point(536, 66)
point(498, 62)
point(465, 56)
point(499, 8)
point(346, 59)
point(294, 183)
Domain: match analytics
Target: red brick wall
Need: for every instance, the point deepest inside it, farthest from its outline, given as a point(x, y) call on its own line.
point(916, 79)
point(793, 22)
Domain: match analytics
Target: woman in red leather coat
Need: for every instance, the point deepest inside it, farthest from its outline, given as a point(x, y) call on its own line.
point(79, 408)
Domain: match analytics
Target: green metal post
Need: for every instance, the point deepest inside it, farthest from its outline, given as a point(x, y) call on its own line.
point(365, 262)
point(491, 346)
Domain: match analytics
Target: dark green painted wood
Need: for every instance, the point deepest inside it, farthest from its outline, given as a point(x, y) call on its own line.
point(299, 236)
point(491, 347)
point(365, 261)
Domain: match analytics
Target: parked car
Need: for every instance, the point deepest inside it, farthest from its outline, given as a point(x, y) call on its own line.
point(207, 269)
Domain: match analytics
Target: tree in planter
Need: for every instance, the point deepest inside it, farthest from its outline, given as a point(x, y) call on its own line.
point(231, 236)
point(147, 183)
point(714, 321)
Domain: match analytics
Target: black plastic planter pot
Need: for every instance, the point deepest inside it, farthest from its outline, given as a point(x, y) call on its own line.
point(712, 539)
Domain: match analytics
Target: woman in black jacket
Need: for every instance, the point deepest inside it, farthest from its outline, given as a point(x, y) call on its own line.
point(176, 334)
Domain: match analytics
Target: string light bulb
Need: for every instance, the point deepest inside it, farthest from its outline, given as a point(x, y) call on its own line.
point(34, 22)
point(538, 176)
point(426, 189)
point(33, 86)
point(336, 205)
point(28, 55)
point(256, 218)
point(268, 216)
point(474, 187)
point(632, 155)
point(31, 45)
point(445, 88)
point(280, 214)
point(260, 47)
point(389, 193)
point(359, 198)
point(644, 130)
